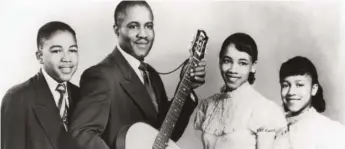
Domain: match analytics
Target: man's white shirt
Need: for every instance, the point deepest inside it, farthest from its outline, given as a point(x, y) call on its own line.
point(134, 63)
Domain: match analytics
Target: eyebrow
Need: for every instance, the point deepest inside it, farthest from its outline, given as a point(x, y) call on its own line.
point(136, 23)
point(151, 23)
point(55, 46)
point(58, 46)
point(74, 46)
point(228, 57)
point(292, 81)
point(243, 59)
point(225, 56)
point(133, 22)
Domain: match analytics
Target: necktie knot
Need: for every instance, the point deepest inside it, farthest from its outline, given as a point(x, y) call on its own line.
point(61, 88)
point(142, 66)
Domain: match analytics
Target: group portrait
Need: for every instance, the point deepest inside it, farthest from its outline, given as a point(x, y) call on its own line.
point(172, 74)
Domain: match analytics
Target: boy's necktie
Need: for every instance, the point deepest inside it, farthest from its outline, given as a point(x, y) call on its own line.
point(62, 105)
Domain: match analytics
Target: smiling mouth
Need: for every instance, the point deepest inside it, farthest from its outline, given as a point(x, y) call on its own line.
point(232, 78)
point(292, 99)
point(141, 42)
point(66, 70)
point(142, 45)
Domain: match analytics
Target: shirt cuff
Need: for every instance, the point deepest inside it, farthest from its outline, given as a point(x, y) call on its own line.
point(192, 96)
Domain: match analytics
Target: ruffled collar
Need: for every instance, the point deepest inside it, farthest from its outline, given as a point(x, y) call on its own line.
point(223, 109)
point(304, 115)
point(242, 90)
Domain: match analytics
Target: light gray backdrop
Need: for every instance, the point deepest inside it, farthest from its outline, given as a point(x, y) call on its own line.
point(281, 29)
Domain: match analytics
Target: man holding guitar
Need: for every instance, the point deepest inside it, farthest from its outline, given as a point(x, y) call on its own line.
point(122, 90)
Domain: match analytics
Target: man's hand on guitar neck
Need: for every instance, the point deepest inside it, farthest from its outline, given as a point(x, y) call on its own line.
point(197, 74)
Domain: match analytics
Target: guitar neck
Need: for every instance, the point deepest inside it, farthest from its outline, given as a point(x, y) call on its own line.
point(182, 93)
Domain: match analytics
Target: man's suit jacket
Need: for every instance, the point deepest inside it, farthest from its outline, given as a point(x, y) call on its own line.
point(30, 118)
point(113, 97)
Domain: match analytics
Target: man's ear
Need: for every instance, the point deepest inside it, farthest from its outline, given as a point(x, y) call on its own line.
point(39, 55)
point(314, 89)
point(116, 29)
point(253, 69)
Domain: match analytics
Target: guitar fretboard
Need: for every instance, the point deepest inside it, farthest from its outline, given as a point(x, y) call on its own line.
point(183, 91)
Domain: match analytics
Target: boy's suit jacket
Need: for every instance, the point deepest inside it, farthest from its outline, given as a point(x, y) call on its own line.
point(30, 118)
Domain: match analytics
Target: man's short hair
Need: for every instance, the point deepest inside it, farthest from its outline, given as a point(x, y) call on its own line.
point(47, 30)
point(123, 5)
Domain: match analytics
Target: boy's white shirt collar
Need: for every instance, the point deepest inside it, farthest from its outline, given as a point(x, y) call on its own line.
point(52, 84)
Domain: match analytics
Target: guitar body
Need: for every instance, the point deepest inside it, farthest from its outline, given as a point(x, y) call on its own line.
point(140, 136)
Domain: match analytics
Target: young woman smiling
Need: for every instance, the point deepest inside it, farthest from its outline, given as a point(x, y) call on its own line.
point(238, 117)
point(303, 102)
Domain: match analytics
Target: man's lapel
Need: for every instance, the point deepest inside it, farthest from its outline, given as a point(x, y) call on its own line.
point(46, 110)
point(134, 87)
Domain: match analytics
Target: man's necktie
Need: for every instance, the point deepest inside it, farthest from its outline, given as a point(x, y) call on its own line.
point(148, 84)
point(62, 105)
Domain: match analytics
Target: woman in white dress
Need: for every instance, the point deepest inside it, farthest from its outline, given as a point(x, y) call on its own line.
point(303, 102)
point(238, 117)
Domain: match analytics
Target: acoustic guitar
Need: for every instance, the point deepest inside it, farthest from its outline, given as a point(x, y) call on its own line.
point(141, 135)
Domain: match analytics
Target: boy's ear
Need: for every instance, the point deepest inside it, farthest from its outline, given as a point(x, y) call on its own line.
point(39, 55)
point(116, 29)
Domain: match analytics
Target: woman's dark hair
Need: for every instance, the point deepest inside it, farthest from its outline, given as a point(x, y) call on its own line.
point(302, 66)
point(243, 43)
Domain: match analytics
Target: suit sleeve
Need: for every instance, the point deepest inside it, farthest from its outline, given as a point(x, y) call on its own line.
point(91, 115)
point(13, 123)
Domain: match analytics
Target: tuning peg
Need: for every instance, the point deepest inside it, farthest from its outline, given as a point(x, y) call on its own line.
point(192, 40)
point(191, 43)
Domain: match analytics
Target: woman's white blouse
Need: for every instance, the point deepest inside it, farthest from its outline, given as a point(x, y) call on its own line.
point(311, 130)
point(234, 120)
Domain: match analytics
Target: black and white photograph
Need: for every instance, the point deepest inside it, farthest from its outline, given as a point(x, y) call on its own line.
point(172, 74)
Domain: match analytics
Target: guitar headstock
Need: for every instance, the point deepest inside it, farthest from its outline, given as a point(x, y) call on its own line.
point(199, 45)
